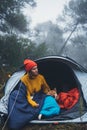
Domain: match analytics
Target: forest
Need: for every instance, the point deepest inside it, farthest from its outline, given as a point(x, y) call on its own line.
point(67, 37)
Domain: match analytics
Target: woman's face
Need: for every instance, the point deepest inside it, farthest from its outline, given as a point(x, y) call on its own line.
point(34, 71)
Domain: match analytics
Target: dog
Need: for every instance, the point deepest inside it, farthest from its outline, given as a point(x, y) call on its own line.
point(53, 93)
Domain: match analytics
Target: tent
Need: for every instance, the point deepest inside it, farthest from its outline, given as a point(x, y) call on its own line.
point(64, 74)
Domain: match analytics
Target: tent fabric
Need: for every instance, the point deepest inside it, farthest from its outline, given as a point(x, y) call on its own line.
point(20, 112)
point(10, 85)
point(68, 99)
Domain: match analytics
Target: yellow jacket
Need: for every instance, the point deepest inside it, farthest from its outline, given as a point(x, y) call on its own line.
point(34, 85)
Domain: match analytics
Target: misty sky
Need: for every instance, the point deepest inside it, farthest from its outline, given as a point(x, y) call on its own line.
point(46, 10)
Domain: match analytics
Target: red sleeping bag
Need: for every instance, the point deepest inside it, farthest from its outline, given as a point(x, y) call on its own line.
point(68, 99)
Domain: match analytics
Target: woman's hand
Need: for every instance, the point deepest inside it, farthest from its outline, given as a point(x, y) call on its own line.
point(37, 105)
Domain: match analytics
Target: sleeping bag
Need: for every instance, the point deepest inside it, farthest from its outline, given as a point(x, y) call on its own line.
point(50, 107)
point(20, 112)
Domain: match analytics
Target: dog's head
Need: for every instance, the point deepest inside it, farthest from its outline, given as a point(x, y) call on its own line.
point(53, 93)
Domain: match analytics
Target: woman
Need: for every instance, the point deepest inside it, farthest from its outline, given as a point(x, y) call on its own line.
point(33, 81)
point(22, 107)
point(30, 97)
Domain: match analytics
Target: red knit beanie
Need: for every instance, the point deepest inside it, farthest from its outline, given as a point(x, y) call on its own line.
point(29, 64)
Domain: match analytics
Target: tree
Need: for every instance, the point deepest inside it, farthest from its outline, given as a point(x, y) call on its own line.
point(13, 50)
point(10, 50)
point(75, 21)
point(11, 16)
point(51, 35)
point(77, 9)
point(75, 14)
point(40, 51)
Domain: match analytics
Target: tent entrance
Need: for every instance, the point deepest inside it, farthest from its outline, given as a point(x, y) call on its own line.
point(58, 75)
point(61, 76)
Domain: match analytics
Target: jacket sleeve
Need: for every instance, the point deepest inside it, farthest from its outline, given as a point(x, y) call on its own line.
point(32, 102)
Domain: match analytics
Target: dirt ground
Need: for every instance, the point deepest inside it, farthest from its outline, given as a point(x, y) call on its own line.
point(53, 127)
point(57, 127)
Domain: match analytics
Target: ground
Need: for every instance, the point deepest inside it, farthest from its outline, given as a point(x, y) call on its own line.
point(54, 127)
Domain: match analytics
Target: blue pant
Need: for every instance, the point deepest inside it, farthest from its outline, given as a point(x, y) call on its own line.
point(50, 107)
